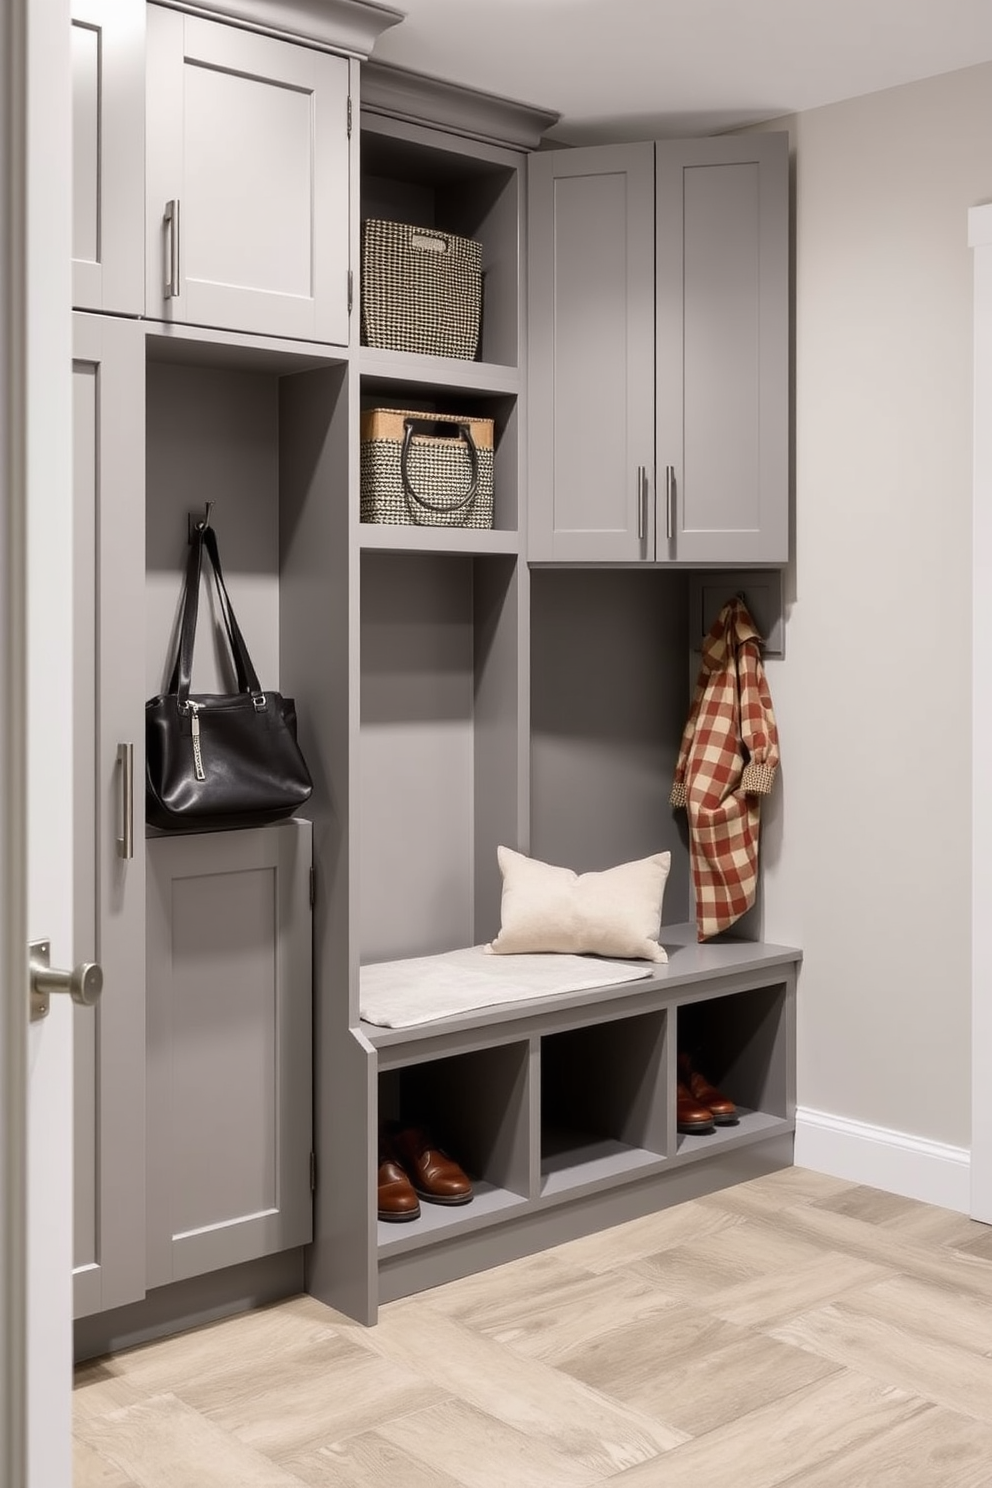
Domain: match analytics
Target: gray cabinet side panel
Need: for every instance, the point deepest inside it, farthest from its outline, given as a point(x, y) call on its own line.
point(722, 354)
point(499, 743)
point(229, 1002)
point(110, 890)
point(591, 348)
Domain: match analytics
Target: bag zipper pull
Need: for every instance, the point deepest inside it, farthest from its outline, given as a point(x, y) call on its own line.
point(194, 708)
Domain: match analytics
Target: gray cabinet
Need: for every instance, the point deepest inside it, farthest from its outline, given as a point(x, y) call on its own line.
point(109, 877)
point(229, 1003)
point(248, 172)
point(108, 157)
point(659, 352)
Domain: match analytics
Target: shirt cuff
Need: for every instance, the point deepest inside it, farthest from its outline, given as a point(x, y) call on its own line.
point(757, 779)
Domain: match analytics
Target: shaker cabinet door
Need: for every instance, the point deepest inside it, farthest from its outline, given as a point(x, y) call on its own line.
point(108, 827)
point(591, 354)
point(722, 349)
point(108, 155)
point(229, 1048)
point(248, 181)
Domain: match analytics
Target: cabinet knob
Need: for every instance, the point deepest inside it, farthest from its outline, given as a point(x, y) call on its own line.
point(83, 984)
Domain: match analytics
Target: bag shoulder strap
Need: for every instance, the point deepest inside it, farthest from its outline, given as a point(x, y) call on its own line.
point(204, 538)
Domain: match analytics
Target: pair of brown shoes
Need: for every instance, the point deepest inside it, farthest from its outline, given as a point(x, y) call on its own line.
point(699, 1106)
point(411, 1168)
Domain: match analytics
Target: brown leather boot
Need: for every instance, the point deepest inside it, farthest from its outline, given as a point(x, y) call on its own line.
point(723, 1109)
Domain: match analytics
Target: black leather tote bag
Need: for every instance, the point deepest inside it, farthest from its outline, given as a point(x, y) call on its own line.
point(220, 760)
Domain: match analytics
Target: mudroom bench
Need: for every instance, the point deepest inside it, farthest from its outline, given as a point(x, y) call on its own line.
point(563, 1108)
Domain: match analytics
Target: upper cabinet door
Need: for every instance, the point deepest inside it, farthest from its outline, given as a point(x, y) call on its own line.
point(591, 354)
point(108, 155)
point(248, 181)
point(722, 349)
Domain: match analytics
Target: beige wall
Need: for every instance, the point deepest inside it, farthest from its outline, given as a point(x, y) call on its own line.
point(867, 847)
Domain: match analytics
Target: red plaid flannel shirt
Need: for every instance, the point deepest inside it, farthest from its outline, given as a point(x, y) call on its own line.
point(727, 762)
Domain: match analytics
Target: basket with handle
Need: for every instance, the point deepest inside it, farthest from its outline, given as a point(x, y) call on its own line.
point(426, 469)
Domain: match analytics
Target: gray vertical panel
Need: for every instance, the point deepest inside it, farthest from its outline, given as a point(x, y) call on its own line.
point(497, 736)
point(229, 1048)
point(722, 346)
point(591, 305)
point(417, 710)
point(319, 661)
point(110, 925)
point(609, 699)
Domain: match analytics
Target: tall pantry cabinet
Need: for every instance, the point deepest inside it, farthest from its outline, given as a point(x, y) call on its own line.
point(456, 689)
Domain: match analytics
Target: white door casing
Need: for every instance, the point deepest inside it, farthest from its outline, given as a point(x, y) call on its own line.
point(980, 239)
point(36, 678)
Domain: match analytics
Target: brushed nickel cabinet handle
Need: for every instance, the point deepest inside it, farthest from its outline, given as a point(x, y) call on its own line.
point(669, 496)
point(641, 502)
point(173, 284)
point(125, 760)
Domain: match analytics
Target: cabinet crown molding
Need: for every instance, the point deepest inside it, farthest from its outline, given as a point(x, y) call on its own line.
point(349, 26)
point(421, 99)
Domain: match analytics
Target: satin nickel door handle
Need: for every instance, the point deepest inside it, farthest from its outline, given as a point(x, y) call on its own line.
point(669, 501)
point(642, 503)
point(83, 984)
point(173, 285)
point(125, 761)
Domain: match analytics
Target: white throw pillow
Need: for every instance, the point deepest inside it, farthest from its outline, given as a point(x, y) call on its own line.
point(616, 912)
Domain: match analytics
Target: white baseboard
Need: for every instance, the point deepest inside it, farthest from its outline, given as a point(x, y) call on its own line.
point(901, 1164)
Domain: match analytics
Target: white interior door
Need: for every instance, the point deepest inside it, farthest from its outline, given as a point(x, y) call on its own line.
point(36, 747)
point(980, 238)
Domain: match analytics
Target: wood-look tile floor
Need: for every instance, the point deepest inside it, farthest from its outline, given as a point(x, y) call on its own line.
point(796, 1330)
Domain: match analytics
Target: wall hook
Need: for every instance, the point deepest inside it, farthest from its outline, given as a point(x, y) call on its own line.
point(195, 521)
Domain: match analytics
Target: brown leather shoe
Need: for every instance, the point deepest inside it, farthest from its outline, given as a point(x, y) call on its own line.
point(723, 1108)
point(435, 1176)
point(397, 1200)
point(691, 1117)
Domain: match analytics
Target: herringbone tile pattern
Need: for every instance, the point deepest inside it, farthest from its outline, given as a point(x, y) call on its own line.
point(792, 1332)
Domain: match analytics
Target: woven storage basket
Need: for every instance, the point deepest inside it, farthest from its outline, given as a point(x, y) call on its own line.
point(412, 473)
point(421, 290)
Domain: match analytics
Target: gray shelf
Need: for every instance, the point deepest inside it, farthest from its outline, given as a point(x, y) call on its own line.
point(754, 1126)
point(383, 537)
point(593, 1163)
point(380, 368)
point(436, 1222)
